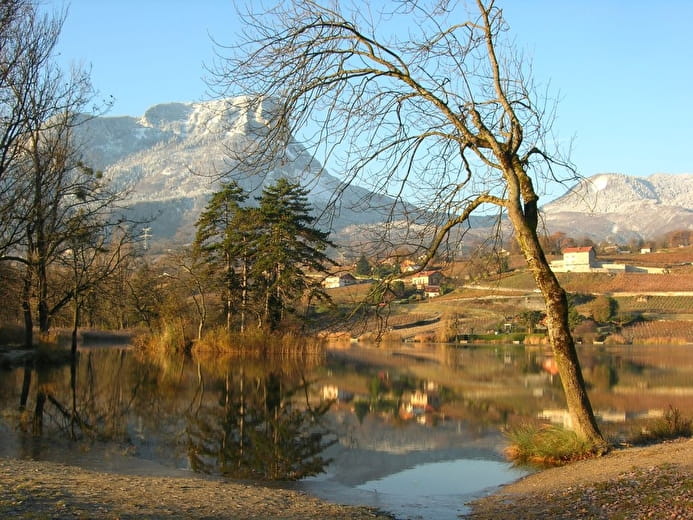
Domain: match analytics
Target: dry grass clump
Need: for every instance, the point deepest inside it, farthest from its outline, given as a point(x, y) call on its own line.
point(546, 445)
point(671, 425)
point(256, 342)
point(171, 338)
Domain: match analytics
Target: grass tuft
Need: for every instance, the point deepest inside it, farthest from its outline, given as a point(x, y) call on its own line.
point(547, 445)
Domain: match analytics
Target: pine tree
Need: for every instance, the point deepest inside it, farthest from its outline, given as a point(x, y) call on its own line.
point(288, 245)
point(363, 267)
point(225, 238)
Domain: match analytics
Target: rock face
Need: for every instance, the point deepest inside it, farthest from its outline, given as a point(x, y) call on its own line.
point(620, 207)
point(170, 159)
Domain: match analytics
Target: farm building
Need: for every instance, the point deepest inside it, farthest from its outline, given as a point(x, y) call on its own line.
point(584, 260)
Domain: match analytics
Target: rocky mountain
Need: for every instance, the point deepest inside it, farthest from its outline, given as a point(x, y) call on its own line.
point(618, 207)
point(169, 161)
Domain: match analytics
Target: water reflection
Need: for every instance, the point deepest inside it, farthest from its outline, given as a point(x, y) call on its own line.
point(253, 429)
point(376, 414)
point(226, 417)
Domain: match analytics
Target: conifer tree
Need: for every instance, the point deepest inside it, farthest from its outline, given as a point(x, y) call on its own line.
point(288, 246)
point(225, 239)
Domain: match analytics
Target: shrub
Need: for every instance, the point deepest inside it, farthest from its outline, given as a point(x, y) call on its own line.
point(671, 425)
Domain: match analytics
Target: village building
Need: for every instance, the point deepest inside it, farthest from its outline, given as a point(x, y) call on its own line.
point(339, 280)
point(426, 278)
point(432, 291)
point(584, 260)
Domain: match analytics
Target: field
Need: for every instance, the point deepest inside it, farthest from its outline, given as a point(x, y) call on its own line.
point(662, 332)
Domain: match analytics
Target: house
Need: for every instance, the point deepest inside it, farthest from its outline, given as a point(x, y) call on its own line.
point(339, 280)
point(431, 291)
point(407, 266)
point(579, 259)
point(425, 278)
point(576, 260)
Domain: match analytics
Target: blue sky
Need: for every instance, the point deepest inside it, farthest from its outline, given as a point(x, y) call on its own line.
point(623, 69)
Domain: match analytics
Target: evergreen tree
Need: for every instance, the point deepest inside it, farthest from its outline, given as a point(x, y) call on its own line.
point(225, 239)
point(287, 245)
point(363, 267)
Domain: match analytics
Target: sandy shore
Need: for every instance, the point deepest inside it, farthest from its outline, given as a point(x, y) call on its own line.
point(649, 482)
point(32, 489)
point(635, 483)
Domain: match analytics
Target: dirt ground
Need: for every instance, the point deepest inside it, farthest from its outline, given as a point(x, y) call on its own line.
point(634, 483)
point(40, 490)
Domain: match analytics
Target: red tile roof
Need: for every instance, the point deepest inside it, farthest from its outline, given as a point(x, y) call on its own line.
point(586, 249)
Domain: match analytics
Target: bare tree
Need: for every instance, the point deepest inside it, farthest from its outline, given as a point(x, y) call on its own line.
point(49, 200)
point(27, 41)
point(417, 107)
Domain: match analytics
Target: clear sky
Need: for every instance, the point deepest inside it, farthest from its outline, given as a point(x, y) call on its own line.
point(623, 68)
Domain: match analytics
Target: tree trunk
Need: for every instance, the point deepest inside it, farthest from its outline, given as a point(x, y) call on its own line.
point(244, 294)
point(75, 324)
point(563, 347)
point(26, 385)
point(26, 311)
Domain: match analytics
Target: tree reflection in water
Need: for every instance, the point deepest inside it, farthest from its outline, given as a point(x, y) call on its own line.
point(231, 417)
point(258, 430)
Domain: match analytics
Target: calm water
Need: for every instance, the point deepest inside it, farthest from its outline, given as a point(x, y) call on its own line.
point(413, 431)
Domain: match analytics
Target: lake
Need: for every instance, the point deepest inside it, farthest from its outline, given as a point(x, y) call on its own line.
point(416, 431)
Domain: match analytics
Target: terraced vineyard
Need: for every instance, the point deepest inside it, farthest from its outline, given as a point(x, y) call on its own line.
point(657, 304)
point(664, 332)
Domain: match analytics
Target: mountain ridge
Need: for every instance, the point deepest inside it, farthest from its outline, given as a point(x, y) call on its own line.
point(619, 207)
point(169, 160)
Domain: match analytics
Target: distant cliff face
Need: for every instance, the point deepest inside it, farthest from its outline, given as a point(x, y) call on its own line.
point(620, 207)
point(169, 161)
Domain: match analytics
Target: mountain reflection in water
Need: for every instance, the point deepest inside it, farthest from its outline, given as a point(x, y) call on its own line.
point(394, 425)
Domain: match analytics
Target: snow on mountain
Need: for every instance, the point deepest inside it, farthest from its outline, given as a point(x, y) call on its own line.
point(169, 161)
point(620, 207)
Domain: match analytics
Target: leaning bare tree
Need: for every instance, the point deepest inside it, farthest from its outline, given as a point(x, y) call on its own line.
point(419, 108)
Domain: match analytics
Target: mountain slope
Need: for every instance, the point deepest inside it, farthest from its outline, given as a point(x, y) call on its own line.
point(620, 207)
point(169, 159)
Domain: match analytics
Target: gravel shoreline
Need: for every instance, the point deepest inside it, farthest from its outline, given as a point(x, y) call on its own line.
point(38, 489)
point(634, 483)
